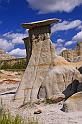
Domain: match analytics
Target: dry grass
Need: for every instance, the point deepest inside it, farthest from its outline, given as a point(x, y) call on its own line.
point(8, 119)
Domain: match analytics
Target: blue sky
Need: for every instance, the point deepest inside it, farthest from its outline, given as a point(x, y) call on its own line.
point(65, 34)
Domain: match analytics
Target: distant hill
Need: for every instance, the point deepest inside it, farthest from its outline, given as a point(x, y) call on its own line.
point(5, 56)
point(10, 62)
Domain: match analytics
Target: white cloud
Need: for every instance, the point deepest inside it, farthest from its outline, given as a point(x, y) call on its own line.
point(13, 35)
point(69, 43)
point(59, 46)
point(59, 41)
point(16, 38)
point(5, 45)
point(9, 40)
point(59, 50)
point(18, 52)
point(66, 25)
point(47, 6)
point(80, 27)
point(78, 36)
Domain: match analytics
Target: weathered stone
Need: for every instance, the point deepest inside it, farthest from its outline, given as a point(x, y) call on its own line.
point(38, 111)
point(58, 79)
point(40, 23)
point(55, 98)
point(46, 75)
point(73, 103)
point(73, 55)
point(36, 71)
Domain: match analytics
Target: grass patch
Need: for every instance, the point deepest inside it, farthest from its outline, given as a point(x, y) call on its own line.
point(8, 119)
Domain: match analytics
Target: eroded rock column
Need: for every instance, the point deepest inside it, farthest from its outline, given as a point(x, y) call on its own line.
point(41, 60)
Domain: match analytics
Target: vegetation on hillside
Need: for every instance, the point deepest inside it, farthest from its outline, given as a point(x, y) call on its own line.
point(18, 64)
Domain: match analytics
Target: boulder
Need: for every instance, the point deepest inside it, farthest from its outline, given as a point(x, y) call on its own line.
point(73, 103)
point(60, 79)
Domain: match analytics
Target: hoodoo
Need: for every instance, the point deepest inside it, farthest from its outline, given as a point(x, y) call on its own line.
point(44, 77)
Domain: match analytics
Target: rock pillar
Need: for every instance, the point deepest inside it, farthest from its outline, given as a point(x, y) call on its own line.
point(40, 54)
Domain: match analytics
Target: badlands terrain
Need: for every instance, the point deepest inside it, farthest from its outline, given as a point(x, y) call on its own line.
point(50, 113)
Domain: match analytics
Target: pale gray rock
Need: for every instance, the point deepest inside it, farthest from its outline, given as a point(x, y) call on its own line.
point(58, 79)
point(36, 70)
point(46, 75)
point(73, 103)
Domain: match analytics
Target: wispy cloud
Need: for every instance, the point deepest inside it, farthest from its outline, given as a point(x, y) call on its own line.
point(62, 44)
point(15, 38)
point(6, 45)
point(69, 43)
point(78, 36)
point(66, 25)
point(59, 46)
point(47, 6)
point(59, 50)
point(18, 52)
point(9, 40)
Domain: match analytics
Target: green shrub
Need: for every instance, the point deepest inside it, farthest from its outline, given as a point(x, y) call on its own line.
point(18, 64)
